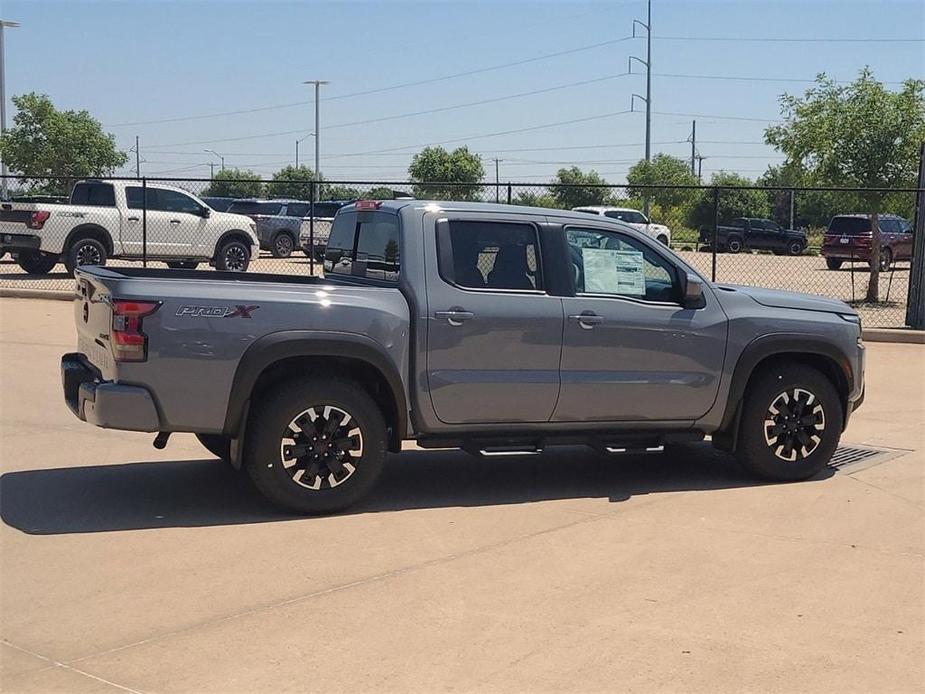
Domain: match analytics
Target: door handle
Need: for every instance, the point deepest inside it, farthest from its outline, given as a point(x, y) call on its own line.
point(455, 316)
point(174, 221)
point(133, 219)
point(588, 319)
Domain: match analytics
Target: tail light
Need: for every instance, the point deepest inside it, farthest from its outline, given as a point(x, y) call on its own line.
point(129, 343)
point(367, 204)
point(37, 219)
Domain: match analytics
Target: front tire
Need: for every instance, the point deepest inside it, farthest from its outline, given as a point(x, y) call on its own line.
point(662, 239)
point(315, 446)
point(886, 259)
point(833, 263)
point(795, 248)
point(35, 263)
point(283, 245)
point(734, 245)
point(233, 256)
point(791, 423)
point(85, 251)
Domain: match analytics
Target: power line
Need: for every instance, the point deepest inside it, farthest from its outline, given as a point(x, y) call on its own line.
point(776, 39)
point(378, 90)
point(755, 79)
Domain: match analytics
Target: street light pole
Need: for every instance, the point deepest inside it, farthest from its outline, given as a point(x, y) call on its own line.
point(212, 151)
point(317, 84)
point(3, 25)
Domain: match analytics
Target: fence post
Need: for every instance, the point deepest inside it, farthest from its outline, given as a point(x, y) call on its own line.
point(311, 233)
point(715, 230)
point(791, 207)
point(915, 301)
point(508, 193)
point(144, 222)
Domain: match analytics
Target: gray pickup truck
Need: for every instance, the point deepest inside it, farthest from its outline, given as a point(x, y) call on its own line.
point(492, 328)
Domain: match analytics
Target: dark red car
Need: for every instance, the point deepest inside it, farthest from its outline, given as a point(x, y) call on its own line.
point(848, 239)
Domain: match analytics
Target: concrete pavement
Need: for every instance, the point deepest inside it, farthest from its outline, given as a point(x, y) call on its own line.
point(127, 568)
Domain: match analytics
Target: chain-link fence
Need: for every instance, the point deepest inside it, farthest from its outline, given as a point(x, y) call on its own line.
point(807, 240)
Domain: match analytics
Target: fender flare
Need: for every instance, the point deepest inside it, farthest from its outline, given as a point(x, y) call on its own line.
point(773, 345)
point(227, 235)
point(75, 233)
point(285, 344)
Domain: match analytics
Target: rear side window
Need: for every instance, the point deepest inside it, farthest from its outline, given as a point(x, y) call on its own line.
point(253, 207)
point(364, 245)
point(490, 255)
point(849, 226)
point(628, 216)
point(94, 195)
point(326, 209)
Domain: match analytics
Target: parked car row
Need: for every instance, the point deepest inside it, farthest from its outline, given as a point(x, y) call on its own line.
point(754, 234)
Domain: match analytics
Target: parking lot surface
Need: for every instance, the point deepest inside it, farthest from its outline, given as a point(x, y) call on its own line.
point(125, 568)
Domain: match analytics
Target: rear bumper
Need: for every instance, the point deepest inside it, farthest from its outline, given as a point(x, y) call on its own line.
point(19, 242)
point(105, 403)
point(846, 253)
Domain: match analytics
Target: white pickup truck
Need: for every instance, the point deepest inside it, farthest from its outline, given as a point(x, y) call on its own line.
point(109, 219)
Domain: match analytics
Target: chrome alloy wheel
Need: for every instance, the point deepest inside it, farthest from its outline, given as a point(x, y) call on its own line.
point(321, 447)
point(794, 424)
point(88, 254)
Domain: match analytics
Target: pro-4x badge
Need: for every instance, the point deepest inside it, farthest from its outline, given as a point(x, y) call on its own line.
point(238, 311)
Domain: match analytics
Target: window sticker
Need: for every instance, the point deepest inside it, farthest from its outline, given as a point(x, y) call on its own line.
point(608, 271)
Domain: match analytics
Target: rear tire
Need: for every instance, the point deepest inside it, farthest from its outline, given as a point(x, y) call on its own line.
point(233, 256)
point(733, 245)
point(791, 423)
point(315, 446)
point(662, 239)
point(85, 251)
point(217, 445)
point(795, 248)
point(283, 245)
point(35, 263)
point(833, 263)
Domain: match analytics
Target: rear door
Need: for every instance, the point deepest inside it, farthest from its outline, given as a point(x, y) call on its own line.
point(493, 333)
point(630, 351)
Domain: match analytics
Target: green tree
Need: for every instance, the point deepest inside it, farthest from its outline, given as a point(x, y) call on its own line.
point(735, 200)
point(45, 142)
point(861, 135)
point(434, 165)
point(575, 188)
point(379, 193)
point(339, 192)
point(663, 169)
point(235, 183)
point(535, 198)
point(292, 182)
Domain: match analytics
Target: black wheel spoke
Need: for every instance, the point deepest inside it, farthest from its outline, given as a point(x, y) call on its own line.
point(325, 454)
point(797, 424)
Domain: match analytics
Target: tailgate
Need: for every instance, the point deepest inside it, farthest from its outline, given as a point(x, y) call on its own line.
point(93, 319)
point(14, 221)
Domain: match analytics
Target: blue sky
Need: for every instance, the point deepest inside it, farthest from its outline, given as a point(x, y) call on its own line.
point(133, 62)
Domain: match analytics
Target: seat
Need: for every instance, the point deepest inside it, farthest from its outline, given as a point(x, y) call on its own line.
point(510, 270)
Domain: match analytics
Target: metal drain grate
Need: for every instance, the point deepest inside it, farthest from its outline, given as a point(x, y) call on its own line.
point(856, 458)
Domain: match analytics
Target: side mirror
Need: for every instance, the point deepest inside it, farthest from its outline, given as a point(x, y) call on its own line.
point(692, 292)
point(206, 212)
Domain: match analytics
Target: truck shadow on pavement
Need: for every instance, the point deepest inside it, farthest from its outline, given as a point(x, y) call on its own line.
point(196, 493)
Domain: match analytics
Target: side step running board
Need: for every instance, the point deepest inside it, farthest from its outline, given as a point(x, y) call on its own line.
point(499, 451)
point(618, 450)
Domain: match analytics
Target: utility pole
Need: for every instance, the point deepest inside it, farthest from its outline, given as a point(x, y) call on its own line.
point(212, 151)
point(137, 159)
point(497, 181)
point(648, 97)
point(700, 168)
point(693, 145)
point(211, 170)
point(317, 84)
point(4, 194)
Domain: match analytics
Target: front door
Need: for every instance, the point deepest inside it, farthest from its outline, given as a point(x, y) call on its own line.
point(493, 333)
point(630, 351)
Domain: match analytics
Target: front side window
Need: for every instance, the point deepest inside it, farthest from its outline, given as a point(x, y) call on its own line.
point(737, 223)
point(174, 201)
point(609, 263)
point(297, 209)
point(492, 255)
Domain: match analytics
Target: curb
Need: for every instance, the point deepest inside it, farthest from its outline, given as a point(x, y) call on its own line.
point(53, 294)
point(896, 335)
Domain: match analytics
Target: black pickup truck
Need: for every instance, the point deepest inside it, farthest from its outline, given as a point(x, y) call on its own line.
point(755, 234)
